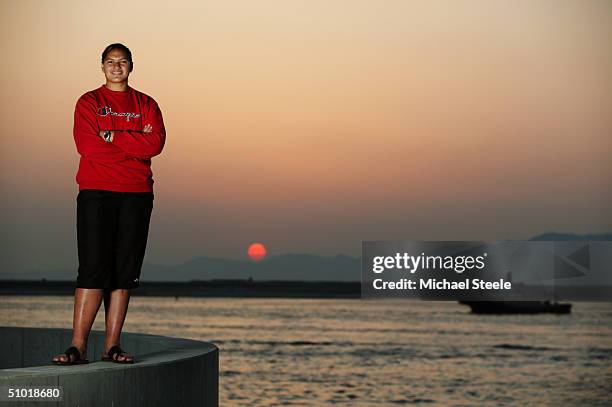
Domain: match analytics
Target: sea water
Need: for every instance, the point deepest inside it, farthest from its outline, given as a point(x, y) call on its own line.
point(373, 353)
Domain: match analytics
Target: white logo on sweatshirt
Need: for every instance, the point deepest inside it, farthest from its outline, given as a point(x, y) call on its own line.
point(105, 111)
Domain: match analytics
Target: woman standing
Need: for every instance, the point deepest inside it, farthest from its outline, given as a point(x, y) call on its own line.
point(117, 130)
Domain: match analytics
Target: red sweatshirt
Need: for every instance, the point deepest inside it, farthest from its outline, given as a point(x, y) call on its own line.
point(124, 165)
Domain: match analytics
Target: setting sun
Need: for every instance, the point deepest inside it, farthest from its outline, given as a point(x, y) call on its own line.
point(257, 251)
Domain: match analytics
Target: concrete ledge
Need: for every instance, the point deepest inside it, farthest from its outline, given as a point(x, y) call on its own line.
point(168, 371)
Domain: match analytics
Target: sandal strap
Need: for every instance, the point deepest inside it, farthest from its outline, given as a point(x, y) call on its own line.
point(116, 349)
point(73, 351)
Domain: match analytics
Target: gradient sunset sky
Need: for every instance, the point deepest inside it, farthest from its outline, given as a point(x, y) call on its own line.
point(313, 125)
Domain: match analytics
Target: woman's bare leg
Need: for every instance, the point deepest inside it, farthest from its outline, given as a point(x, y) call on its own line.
point(86, 305)
point(116, 305)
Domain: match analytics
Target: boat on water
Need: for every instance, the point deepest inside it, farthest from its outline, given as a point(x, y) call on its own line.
point(517, 307)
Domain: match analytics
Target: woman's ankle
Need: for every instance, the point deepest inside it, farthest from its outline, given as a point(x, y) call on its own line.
point(79, 344)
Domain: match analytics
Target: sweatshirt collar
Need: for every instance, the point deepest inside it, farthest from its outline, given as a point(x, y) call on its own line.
point(115, 92)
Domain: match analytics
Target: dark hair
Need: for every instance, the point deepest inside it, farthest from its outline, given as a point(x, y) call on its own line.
point(122, 48)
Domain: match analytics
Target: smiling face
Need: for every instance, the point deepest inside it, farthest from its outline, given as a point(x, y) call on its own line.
point(116, 66)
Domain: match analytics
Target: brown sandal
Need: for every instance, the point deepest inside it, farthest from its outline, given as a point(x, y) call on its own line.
point(77, 357)
point(116, 350)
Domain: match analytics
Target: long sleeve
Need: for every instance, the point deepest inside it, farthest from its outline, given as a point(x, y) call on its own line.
point(144, 145)
point(89, 144)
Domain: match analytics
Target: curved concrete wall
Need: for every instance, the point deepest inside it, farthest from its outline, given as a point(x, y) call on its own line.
point(167, 372)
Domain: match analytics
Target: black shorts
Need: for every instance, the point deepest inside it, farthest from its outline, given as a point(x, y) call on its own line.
point(112, 230)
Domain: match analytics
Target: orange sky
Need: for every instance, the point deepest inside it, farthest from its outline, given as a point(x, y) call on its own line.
point(313, 125)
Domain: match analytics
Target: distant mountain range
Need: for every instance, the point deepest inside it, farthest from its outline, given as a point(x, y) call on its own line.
point(552, 236)
point(302, 267)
